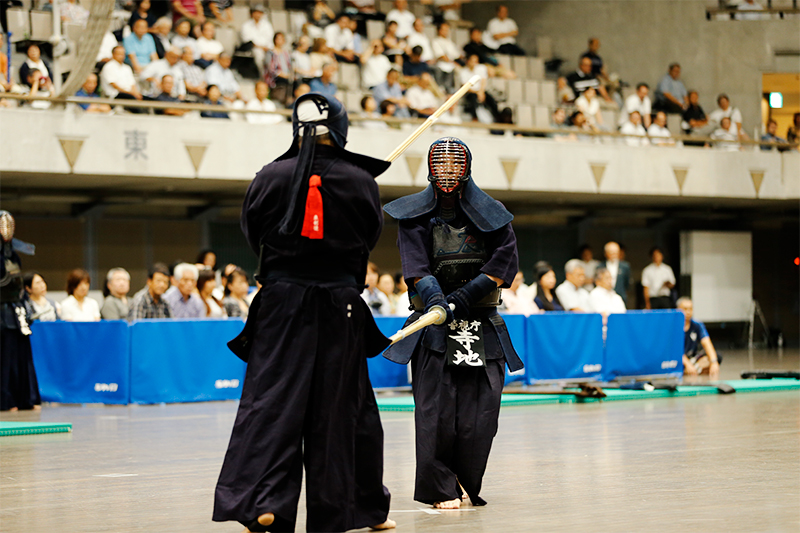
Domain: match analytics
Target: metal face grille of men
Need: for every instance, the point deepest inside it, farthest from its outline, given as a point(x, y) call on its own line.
point(458, 250)
point(313, 215)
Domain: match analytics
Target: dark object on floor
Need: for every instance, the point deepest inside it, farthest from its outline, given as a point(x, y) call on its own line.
point(769, 374)
point(586, 391)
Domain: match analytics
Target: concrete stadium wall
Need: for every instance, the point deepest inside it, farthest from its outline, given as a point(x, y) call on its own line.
point(639, 39)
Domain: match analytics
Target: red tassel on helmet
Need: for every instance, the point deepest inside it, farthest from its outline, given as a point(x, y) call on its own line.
point(312, 222)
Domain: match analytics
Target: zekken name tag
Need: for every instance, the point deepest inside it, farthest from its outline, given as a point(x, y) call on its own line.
point(465, 343)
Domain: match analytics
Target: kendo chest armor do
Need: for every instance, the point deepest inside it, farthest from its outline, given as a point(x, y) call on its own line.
point(458, 255)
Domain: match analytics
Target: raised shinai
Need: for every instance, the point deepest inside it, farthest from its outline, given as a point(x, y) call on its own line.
point(455, 240)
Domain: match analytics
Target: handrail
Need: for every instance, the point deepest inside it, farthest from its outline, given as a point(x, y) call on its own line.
point(733, 11)
point(154, 104)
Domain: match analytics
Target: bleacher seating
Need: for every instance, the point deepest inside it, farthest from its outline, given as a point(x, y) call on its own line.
point(19, 24)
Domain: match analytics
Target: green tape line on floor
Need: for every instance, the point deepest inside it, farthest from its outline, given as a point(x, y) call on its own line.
point(9, 429)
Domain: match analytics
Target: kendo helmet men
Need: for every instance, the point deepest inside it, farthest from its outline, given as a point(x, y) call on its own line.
point(449, 162)
point(316, 114)
point(7, 226)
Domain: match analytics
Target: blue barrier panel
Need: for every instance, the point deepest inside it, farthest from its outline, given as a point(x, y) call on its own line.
point(516, 330)
point(644, 343)
point(382, 372)
point(184, 361)
point(564, 346)
point(82, 362)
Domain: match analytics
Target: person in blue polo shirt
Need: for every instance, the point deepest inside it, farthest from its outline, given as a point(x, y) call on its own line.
point(699, 355)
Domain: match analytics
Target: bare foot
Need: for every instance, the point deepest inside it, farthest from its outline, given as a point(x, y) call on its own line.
point(450, 504)
point(266, 519)
point(389, 524)
point(37, 407)
point(14, 409)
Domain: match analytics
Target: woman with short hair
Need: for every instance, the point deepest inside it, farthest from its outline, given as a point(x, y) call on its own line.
point(236, 291)
point(78, 307)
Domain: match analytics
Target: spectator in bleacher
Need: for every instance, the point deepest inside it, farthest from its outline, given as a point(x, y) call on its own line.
point(324, 84)
point(387, 287)
point(89, 90)
point(546, 297)
point(167, 89)
point(321, 14)
point(516, 300)
point(321, 55)
point(140, 47)
point(475, 46)
point(206, 283)
point(388, 110)
point(115, 302)
point(39, 306)
point(299, 91)
point(582, 79)
point(793, 131)
point(262, 103)
point(638, 101)
point(589, 105)
point(117, 78)
point(183, 302)
point(571, 294)
point(559, 121)
point(477, 96)
point(589, 264)
point(598, 69)
point(5, 83)
point(658, 132)
point(422, 99)
point(699, 355)
point(658, 281)
point(394, 46)
point(39, 85)
point(726, 110)
point(236, 290)
point(637, 135)
point(278, 69)
point(214, 97)
point(220, 11)
point(579, 124)
point(161, 36)
point(369, 109)
point(377, 301)
point(619, 269)
point(390, 90)
point(751, 6)
point(301, 60)
point(208, 46)
point(771, 137)
point(142, 11)
point(191, 10)
point(149, 302)
point(78, 307)
point(183, 38)
point(155, 72)
point(446, 54)
point(259, 33)
point(194, 78)
point(671, 95)
point(73, 12)
point(34, 61)
point(504, 31)
point(418, 38)
point(725, 132)
point(106, 48)
point(564, 93)
point(374, 65)
point(694, 120)
point(221, 75)
point(339, 37)
point(414, 67)
point(403, 17)
point(603, 298)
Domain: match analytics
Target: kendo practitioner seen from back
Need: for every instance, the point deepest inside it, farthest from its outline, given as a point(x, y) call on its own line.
point(457, 247)
point(313, 215)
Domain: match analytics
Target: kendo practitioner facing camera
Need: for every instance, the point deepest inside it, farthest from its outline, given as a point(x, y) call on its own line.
point(313, 215)
point(457, 247)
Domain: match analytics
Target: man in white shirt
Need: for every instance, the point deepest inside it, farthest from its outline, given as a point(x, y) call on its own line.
point(446, 53)
point(155, 72)
point(619, 269)
point(726, 110)
point(340, 38)
point(726, 132)
point(639, 101)
point(571, 294)
point(603, 299)
point(418, 38)
point(421, 99)
point(374, 65)
point(258, 30)
point(634, 127)
point(117, 78)
point(262, 103)
point(658, 132)
point(658, 280)
point(221, 75)
point(504, 31)
point(589, 104)
point(404, 18)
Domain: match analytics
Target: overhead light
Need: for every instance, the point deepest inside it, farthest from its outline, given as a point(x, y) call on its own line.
point(776, 100)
